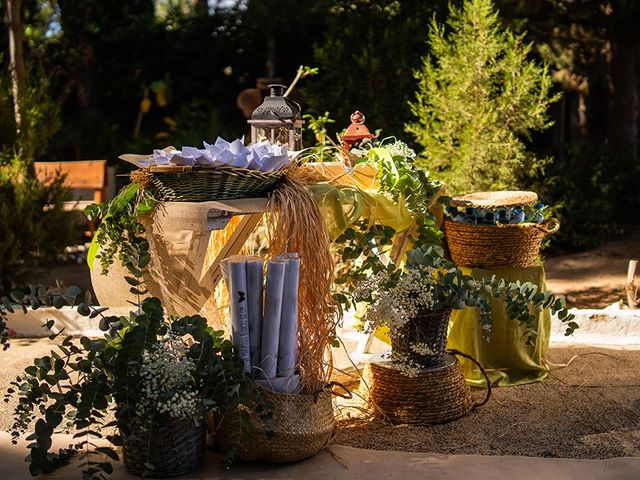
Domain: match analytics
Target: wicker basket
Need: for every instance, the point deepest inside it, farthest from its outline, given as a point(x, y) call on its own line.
point(202, 183)
point(497, 246)
point(429, 328)
point(174, 447)
point(300, 427)
point(437, 395)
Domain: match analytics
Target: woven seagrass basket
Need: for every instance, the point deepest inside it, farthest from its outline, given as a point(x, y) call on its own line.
point(301, 426)
point(436, 395)
point(201, 183)
point(497, 246)
point(429, 328)
point(174, 447)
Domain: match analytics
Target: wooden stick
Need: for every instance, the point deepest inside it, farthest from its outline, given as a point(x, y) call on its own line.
point(631, 288)
point(213, 275)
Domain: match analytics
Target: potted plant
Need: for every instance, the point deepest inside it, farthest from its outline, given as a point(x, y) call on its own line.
point(415, 302)
point(147, 385)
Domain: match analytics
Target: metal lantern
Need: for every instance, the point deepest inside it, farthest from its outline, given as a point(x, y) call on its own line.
point(277, 120)
point(356, 132)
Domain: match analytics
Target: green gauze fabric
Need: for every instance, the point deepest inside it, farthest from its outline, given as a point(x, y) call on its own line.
point(506, 357)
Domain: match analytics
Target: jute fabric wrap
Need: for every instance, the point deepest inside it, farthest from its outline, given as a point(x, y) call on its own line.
point(300, 427)
point(496, 246)
point(437, 395)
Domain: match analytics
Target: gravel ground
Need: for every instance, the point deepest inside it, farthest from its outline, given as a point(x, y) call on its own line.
point(588, 409)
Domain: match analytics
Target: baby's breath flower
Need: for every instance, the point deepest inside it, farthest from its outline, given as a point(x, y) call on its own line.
point(167, 384)
point(402, 149)
point(393, 308)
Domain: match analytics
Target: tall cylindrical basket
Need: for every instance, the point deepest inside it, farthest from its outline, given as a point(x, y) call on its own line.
point(429, 329)
point(168, 448)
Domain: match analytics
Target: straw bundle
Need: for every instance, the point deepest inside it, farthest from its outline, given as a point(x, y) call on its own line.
point(296, 225)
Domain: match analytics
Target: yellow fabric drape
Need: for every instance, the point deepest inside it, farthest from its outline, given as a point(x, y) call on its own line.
point(343, 206)
point(506, 357)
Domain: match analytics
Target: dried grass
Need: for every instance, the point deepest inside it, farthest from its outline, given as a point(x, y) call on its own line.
point(296, 225)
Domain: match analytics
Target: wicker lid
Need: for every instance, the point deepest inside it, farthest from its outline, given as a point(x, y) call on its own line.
point(495, 199)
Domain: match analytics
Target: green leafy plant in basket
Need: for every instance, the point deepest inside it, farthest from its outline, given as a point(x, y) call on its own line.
point(366, 248)
point(414, 304)
point(147, 384)
point(121, 234)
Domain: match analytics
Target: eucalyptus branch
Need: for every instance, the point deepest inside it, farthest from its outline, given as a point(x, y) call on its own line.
point(302, 72)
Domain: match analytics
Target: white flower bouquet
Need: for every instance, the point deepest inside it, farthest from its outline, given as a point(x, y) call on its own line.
point(414, 304)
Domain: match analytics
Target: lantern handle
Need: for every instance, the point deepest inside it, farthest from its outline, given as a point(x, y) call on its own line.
point(277, 90)
point(357, 117)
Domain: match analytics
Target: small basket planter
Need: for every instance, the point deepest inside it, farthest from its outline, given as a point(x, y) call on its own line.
point(300, 426)
point(429, 328)
point(436, 395)
point(174, 447)
point(497, 246)
point(202, 183)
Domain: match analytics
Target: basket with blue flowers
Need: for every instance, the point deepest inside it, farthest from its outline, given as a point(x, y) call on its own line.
point(497, 229)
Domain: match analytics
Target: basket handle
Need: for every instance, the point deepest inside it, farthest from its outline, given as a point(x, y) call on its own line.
point(549, 227)
point(484, 372)
point(347, 394)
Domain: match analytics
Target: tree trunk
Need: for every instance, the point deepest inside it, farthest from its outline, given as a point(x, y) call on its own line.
point(16, 64)
point(622, 125)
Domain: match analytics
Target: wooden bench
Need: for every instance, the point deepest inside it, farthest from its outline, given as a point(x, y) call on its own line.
point(79, 175)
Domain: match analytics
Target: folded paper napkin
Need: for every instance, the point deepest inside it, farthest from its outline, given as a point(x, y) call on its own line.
point(262, 156)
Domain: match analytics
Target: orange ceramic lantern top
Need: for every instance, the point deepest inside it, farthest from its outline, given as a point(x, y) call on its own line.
point(357, 130)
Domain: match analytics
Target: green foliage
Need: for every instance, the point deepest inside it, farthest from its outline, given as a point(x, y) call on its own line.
point(363, 246)
point(106, 379)
point(40, 117)
point(585, 190)
point(478, 98)
point(454, 289)
point(120, 234)
point(33, 224)
point(365, 57)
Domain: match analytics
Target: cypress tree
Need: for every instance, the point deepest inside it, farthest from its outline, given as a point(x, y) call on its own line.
point(478, 98)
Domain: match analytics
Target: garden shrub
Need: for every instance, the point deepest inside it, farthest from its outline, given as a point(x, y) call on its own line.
point(478, 98)
point(33, 224)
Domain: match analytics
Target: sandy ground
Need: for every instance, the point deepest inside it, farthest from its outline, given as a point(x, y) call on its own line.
point(588, 409)
point(594, 279)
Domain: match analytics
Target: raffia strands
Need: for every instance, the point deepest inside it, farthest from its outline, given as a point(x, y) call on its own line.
point(296, 225)
point(141, 177)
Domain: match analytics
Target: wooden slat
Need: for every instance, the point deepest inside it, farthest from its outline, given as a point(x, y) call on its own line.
point(213, 275)
point(82, 174)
